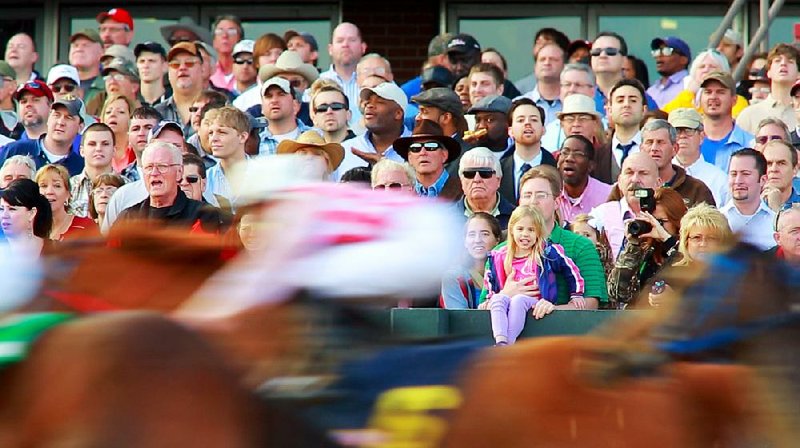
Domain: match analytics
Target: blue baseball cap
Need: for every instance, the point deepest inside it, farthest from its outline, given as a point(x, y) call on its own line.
point(673, 42)
point(154, 132)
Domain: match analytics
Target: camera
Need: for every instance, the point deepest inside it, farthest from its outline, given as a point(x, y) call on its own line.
point(638, 227)
point(647, 202)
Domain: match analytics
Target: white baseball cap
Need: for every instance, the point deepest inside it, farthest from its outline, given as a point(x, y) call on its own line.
point(63, 71)
point(243, 46)
point(388, 91)
point(282, 83)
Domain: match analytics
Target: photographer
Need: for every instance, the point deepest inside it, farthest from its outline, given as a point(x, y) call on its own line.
point(650, 241)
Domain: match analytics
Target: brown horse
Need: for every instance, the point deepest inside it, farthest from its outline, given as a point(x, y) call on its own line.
point(618, 391)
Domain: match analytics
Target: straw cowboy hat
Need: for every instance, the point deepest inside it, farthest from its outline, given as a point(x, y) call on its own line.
point(312, 139)
point(288, 62)
point(426, 131)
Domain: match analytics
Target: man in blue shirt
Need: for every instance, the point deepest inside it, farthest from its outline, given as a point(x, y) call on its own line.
point(723, 136)
point(427, 150)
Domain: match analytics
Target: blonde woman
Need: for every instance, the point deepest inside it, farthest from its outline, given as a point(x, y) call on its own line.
point(53, 181)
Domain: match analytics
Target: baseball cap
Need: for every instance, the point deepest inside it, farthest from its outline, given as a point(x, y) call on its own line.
point(118, 51)
point(440, 97)
point(73, 104)
point(88, 33)
point(723, 78)
point(123, 66)
point(685, 117)
point(164, 124)
point(491, 103)
point(673, 42)
point(183, 47)
point(438, 75)
point(307, 37)
point(63, 71)
point(733, 36)
point(243, 46)
point(150, 46)
point(35, 88)
point(282, 84)
point(6, 71)
point(388, 91)
point(463, 43)
point(118, 15)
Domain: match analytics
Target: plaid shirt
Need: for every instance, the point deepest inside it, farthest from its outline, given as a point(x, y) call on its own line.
point(269, 145)
point(81, 188)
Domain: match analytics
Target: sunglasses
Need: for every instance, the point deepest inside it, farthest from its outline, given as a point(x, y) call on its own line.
point(192, 178)
point(763, 139)
point(193, 109)
point(427, 146)
point(610, 51)
point(188, 63)
point(238, 61)
point(663, 51)
point(66, 88)
point(325, 106)
point(485, 173)
point(391, 186)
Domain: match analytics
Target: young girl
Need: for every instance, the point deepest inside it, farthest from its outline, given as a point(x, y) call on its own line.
point(527, 255)
point(589, 227)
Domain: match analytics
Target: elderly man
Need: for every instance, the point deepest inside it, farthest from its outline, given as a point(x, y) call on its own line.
point(638, 171)
point(64, 123)
point(116, 27)
point(280, 105)
point(384, 108)
point(787, 235)
point(21, 55)
point(575, 78)
point(16, 167)
point(166, 204)
point(778, 191)
point(227, 32)
point(33, 99)
point(427, 150)
point(185, 78)
point(688, 126)
point(491, 115)
point(581, 192)
point(390, 175)
point(672, 57)
point(783, 67)
point(330, 111)
point(659, 140)
point(550, 60)
point(722, 136)
point(151, 62)
point(85, 51)
point(526, 121)
point(311, 145)
point(747, 214)
point(121, 78)
point(480, 174)
point(373, 64)
point(345, 50)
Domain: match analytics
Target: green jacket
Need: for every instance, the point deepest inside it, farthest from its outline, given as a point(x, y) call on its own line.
point(585, 256)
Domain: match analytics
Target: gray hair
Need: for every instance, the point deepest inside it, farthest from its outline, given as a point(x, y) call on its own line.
point(175, 152)
point(578, 67)
point(720, 59)
point(480, 156)
point(376, 56)
point(777, 122)
point(391, 165)
point(655, 125)
point(26, 161)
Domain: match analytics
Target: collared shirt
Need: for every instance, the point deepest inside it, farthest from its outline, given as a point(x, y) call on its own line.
point(551, 108)
point(755, 229)
point(614, 215)
point(617, 151)
point(132, 172)
point(749, 118)
point(169, 111)
point(794, 198)
point(666, 89)
point(217, 183)
point(364, 143)
point(713, 177)
point(434, 190)
point(80, 189)
point(221, 79)
point(269, 143)
point(248, 98)
point(352, 91)
point(596, 193)
point(718, 152)
point(518, 163)
point(495, 211)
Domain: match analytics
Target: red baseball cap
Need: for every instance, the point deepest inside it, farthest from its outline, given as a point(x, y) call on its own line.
point(35, 88)
point(118, 15)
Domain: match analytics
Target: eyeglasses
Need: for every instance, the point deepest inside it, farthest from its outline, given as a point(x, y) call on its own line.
point(566, 152)
point(189, 63)
point(485, 173)
point(240, 61)
point(390, 186)
point(113, 29)
point(231, 32)
point(538, 195)
point(697, 239)
point(160, 167)
point(295, 83)
point(66, 87)
point(427, 146)
point(333, 106)
point(192, 178)
point(689, 132)
point(577, 85)
point(610, 51)
point(193, 109)
point(569, 119)
point(663, 51)
point(763, 139)
point(115, 76)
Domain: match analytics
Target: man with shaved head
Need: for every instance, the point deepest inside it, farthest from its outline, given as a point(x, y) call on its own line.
point(346, 49)
point(639, 170)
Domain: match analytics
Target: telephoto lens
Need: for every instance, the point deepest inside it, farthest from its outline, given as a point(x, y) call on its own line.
point(638, 227)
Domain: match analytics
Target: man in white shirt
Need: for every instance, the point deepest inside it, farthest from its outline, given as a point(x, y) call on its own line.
point(689, 124)
point(747, 214)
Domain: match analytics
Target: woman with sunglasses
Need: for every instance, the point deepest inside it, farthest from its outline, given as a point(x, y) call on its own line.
point(651, 241)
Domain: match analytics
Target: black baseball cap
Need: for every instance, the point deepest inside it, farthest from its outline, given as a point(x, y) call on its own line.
point(463, 43)
point(150, 46)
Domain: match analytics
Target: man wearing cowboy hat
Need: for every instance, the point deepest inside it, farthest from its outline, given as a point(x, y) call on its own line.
point(185, 30)
point(312, 144)
point(427, 150)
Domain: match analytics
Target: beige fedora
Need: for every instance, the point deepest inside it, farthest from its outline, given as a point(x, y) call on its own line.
point(288, 62)
point(579, 104)
point(312, 139)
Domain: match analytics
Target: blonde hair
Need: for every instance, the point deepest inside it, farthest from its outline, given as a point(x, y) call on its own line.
point(228, 116)
point(391, 165)
point(703, 216)
point(111, 99)
point(59, 171)
point(537, 249)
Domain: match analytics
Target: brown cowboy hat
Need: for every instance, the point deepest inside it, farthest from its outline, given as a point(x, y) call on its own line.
point(427, 130)
point(312, 139)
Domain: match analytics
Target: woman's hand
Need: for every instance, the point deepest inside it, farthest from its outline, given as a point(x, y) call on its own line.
point(657, 300)
point(658, 232)
point(542, 308)
point(578, 302)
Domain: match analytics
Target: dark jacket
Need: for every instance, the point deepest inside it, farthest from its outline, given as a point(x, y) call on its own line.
point(507, 182)
point(73, 162)
point(693, 191)
point(184, 212)
point(451, 192)
point(606, 168)
point(503, 212)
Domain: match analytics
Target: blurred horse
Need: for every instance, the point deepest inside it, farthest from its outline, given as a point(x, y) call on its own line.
point(718, 370)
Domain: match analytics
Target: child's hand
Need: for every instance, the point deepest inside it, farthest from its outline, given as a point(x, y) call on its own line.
point(542, 308)
point(485, 304)
point(526, 286)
